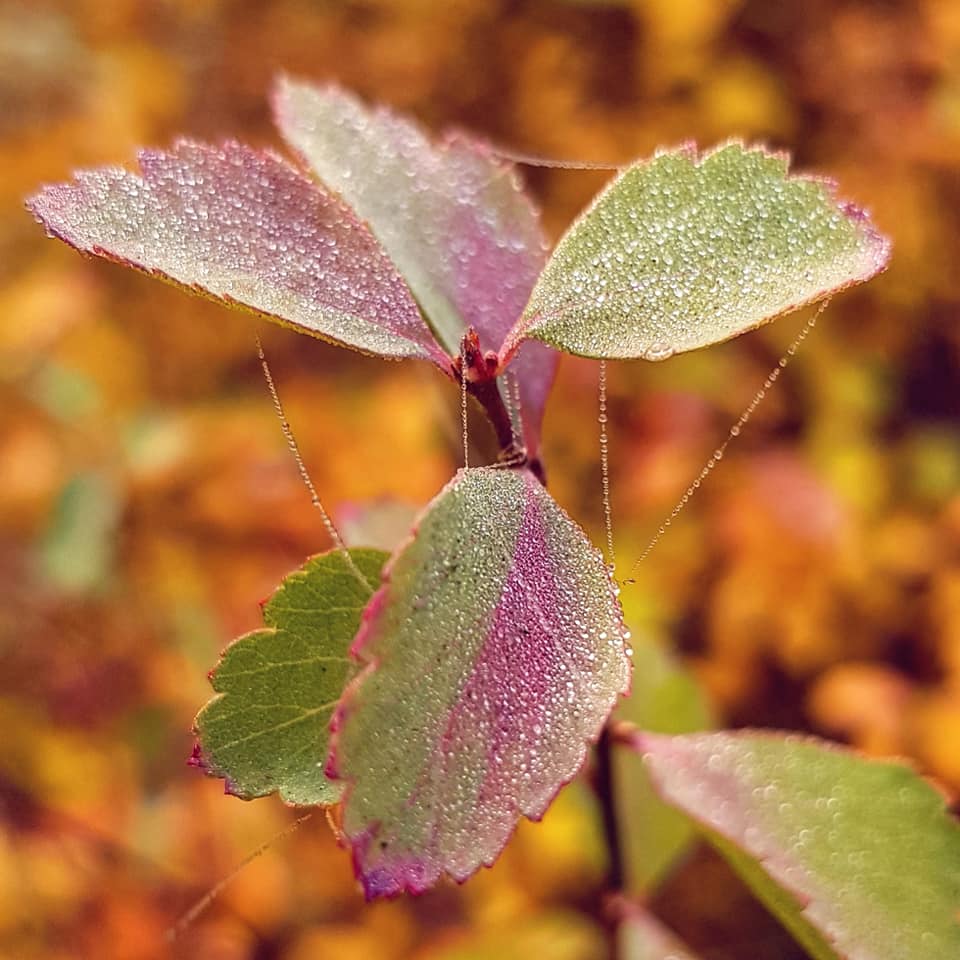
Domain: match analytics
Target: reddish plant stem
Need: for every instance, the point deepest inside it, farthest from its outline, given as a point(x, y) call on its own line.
point(488, 395)
point(480, 370)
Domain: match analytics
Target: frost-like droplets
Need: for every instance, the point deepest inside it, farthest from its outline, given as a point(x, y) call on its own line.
point(495, 651)
point(861, 859)
point(684, 250)
point(451, 214)
point(247, 228)
point(659, 350)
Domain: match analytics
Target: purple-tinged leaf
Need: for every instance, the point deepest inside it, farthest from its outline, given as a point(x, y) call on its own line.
point(249, 229)
point(857, 857)
point(494, 652)
point(452, 215)
point(686, 250)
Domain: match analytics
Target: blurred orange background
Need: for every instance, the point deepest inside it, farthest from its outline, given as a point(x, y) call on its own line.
point(147, 500)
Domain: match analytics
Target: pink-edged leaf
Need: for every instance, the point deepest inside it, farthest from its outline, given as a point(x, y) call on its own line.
point(494, 652)
point(245, 227)
point(452, 215)
point(857, 857)
point(687, 249)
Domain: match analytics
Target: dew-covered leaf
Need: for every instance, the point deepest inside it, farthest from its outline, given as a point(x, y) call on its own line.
point(494, 653)
point(857, 857)
point(267, 728)
point(245, 227)
point(453, 216)
point(684, 250)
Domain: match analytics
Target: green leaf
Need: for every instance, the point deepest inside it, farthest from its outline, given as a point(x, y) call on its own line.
point(665, 698)
point(684, 250)
point(267, 728)
point(857, 857)
point(494, 654)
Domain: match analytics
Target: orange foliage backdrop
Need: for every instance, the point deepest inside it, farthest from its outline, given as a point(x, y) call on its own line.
point(147, 500)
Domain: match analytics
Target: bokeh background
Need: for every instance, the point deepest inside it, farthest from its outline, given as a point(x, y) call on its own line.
point(147, 501)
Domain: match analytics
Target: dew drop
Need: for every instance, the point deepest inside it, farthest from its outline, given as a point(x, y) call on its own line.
point(660, 350)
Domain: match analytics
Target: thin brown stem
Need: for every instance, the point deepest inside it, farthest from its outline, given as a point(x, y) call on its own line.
point(488, 395)
point(477, 373)
point(605, 788)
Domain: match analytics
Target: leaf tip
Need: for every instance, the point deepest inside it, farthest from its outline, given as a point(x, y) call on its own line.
point(232, 789)
point(880, 246)
point(286, 86)
point(386, 881)
point(197, 759)
point(200, 761)
point(48, 207)
point(687, 149)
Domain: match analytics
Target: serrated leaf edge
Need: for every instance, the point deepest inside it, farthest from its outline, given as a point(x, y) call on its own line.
point(640, 740)
point(35, 201)
point(689, 150)
point(371, 664)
